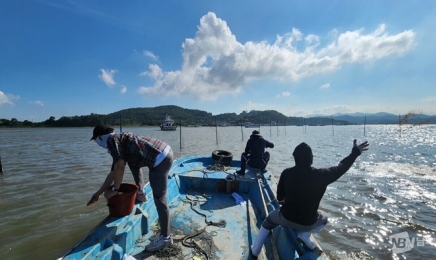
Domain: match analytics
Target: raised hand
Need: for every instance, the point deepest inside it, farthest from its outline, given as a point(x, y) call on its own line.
point(362, 147)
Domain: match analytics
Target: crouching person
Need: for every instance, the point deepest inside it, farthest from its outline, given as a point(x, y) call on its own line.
point(299, 191)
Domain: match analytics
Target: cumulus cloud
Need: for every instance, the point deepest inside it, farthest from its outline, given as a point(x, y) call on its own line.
point(6, 99)
point(154, 72)
point(37, 102)
point(107, 76)
point(325, 86)
point(214, 62)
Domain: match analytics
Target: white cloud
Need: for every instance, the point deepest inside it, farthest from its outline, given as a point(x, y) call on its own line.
point(214, 62)
point(331, 110)
point(284, 94)
point(312, 39)
point(254, 106)
point(428, 105)
point(325, 86)
point(6, 99)
point(151, 55)
point(38, 103)
point(430, 99)
point(123, 89)
point(154, 72)
point(107, 76)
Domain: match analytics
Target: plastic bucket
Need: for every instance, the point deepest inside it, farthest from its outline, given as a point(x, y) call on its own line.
point(123, 203)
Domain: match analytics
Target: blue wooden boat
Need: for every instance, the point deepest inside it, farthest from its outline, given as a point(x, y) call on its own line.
point(215, 214)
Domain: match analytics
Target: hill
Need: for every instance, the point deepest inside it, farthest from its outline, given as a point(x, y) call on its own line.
point(153, 116)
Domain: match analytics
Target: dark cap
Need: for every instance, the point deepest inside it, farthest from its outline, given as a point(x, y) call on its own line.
point(255, 132)
point(303, 155)
point(101, 130)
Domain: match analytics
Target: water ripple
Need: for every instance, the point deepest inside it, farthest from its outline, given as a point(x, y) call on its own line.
point(389, 190)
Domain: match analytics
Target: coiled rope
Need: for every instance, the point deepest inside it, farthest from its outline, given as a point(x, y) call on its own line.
point(218, 167)
point(188, 241)
point(193, 202)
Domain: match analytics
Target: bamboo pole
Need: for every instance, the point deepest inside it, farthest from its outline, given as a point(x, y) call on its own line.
point(364, 127)
point(333, 128)
point(216, 131)
point(121, 127)
point(399, 123)
point(242, 132)
point(277, 124)
point(285, 126)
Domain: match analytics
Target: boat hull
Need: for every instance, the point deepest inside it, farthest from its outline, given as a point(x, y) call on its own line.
point(205, 218)
point(168, 128)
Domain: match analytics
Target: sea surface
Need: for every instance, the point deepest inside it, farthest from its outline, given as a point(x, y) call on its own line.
point(50, 174)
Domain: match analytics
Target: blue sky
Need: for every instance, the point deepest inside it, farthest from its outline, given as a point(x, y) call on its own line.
point(67, 58)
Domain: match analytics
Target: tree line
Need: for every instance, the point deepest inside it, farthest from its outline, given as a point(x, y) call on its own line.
point(154, 116)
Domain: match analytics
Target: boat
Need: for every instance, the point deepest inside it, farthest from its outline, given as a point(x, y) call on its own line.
point(251, 125)
point(215, 214)
point(168, 124)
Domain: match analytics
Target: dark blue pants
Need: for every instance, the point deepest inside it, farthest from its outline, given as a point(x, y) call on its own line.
point(259, 163)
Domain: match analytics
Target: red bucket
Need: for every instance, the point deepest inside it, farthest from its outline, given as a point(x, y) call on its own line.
point(123, 203)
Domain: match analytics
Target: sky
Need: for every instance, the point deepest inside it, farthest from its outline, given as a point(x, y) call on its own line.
point(301, 58)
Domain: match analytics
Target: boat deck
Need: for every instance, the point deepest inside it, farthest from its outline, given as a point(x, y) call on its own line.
point(207, 222)
point(226, 236)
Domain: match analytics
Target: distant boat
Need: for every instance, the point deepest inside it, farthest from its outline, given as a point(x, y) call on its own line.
point(251, 125)
point(168, 124)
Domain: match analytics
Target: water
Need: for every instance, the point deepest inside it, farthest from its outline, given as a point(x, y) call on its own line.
point(50, 174)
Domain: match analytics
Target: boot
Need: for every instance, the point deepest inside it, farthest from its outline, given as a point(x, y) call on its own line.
point(242, 170)
point(304, 237)
point(258, 243)
point(318, 228)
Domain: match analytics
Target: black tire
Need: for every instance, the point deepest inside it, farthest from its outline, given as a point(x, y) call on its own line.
point(222, 157)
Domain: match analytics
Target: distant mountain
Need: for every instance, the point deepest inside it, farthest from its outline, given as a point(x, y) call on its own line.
point(381, 118)
point(363, 114)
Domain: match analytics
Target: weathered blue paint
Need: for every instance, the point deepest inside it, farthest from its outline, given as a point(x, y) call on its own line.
point(191, 178)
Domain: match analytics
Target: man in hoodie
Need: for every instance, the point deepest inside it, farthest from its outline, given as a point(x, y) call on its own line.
point(255, 154)
point(137, 152)
point(299, 191)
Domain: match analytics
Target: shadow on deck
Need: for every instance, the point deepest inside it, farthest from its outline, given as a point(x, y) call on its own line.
point(219, 234)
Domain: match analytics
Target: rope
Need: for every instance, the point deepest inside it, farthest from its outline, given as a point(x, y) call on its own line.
point(192, 243)
point(169, 251)
point(218, 167)
point(188, 241)
point(221, 223)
